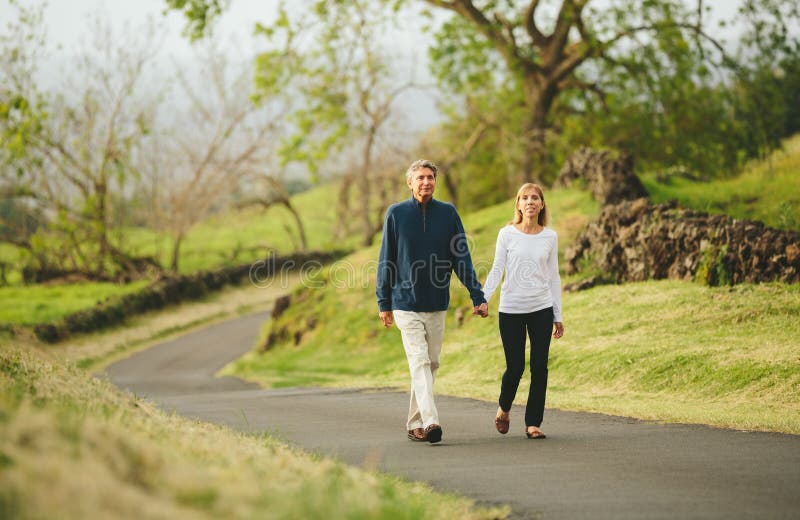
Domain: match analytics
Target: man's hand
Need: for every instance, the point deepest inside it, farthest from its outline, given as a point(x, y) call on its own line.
point(387, 318)
point(481, 310)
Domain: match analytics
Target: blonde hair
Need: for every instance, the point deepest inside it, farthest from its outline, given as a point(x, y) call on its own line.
point(544, 217)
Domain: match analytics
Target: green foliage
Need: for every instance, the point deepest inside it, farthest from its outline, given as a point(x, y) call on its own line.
point(712, 270)
point(66, 157)
point(665, 91)
point(199, 14)
point(227, 239)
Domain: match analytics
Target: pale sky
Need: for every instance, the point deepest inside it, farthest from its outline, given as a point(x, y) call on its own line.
point(66, 18)
point(67, 22)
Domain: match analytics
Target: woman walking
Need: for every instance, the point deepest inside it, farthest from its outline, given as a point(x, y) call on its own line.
point(530, 303)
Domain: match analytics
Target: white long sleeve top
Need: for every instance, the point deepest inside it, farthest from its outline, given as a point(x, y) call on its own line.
point(530, 263)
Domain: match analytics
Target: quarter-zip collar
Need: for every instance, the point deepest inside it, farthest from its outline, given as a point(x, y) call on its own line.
point(423, 208)
point(418, 203)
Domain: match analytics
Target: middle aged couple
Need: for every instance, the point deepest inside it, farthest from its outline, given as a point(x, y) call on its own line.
point(423, 242)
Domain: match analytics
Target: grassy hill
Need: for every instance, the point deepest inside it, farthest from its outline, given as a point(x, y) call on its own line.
point(768, 190)
point(74, 447)
point(664, 350)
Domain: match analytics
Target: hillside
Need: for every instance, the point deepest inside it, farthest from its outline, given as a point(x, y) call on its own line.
point(767, 190)
point(665, 350)
point(75, 447)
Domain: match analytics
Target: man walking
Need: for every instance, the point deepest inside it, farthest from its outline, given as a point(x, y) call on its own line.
point(423, 243)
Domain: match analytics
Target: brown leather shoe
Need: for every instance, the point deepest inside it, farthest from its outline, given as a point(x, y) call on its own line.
point(417, 435)
point(433, 433)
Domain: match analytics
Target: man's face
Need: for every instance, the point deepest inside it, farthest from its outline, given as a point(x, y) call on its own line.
point(422, 184)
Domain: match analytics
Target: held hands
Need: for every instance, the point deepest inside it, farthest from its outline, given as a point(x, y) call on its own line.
point(559, 326)
point(481, 310)
point(387, 318)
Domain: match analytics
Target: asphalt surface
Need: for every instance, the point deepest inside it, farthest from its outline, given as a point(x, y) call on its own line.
point(590, 466)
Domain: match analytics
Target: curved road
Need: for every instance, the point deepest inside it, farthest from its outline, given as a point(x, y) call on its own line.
point(590, 466)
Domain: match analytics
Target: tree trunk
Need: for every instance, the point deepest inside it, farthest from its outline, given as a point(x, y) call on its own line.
point(176, 253)
point(102, 228)
point(539, 97)
point(452, 187)
point(343, 208)
point(366, 189)
point(383, 203)
point(301, 231)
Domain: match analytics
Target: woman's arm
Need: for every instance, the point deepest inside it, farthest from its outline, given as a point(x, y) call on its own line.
point(498, 266)
point(555, 280)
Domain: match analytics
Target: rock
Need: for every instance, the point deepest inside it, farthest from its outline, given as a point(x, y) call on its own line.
point(584, 284)
point(610, 179)
point(281, 304)
point(635, 240)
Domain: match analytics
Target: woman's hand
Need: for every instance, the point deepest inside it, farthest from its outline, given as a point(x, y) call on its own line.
point(481, 310)
point(559, 329)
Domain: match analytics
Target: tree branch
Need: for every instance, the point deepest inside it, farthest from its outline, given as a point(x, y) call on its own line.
point(507, 48)
point(539, 39)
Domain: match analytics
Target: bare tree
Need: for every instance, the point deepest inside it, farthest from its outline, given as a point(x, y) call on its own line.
point(222, 139)
point(71, 153)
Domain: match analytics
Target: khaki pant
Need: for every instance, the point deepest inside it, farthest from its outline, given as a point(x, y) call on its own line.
point(422, 334)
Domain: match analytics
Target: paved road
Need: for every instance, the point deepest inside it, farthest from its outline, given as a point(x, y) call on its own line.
point(590, 466)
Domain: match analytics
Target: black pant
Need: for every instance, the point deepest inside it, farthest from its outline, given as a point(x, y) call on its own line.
point(539, 326)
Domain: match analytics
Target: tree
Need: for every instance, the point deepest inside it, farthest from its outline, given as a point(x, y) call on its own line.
point(559, 71)
point(221, 140)
point(331, 61)
point(548, 53)
point(67, 156)
point(328, 67)
point(767, 83)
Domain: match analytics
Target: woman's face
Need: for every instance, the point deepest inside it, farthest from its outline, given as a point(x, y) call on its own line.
point(530, 203)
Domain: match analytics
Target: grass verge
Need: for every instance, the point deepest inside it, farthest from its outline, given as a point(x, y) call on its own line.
point(72, 446)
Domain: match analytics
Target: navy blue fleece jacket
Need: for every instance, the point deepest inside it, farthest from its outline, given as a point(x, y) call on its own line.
point(421, 247)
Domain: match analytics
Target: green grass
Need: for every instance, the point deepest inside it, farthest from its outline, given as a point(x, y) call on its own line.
point(241, 236)
point(767, 191)
point(29, 305)
point(74, 447)
point(225, 239)
point(662, 350)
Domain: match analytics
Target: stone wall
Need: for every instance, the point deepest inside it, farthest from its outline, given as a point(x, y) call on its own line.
point(635, 241)
point(608, 175)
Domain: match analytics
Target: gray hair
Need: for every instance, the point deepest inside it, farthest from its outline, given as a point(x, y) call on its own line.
point(420, 164)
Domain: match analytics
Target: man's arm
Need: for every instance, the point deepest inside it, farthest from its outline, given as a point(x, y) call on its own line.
point(462, 264)
point(387, 266)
